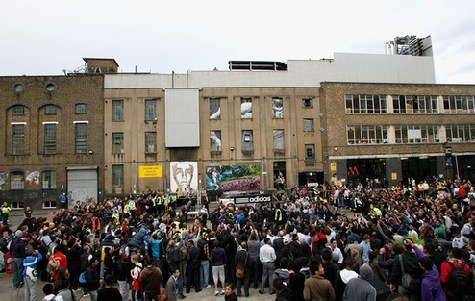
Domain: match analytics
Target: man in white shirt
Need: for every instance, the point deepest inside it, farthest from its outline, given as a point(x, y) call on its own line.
point(267, 257)
point(336, 251)
point(467, 229)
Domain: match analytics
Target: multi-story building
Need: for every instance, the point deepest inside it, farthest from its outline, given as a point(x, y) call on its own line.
point(237, 129)
point(388, 133)
point(357, 117)
point(52, 132)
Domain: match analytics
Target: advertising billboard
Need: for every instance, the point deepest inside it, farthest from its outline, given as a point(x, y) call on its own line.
point(236, 177)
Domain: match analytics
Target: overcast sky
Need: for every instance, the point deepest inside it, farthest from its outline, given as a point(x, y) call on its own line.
point(42, 37)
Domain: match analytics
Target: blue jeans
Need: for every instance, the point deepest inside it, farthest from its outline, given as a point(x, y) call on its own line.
point(204, 274)
point(17, 266)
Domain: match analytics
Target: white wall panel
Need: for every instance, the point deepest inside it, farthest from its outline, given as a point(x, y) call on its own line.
point(182, 121)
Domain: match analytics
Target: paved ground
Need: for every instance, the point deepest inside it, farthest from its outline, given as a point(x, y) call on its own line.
point(8, 293)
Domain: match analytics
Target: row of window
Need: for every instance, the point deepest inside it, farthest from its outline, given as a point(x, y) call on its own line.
point(18, 110)
point(50, 135)
point(246, 106)
point(46, 178)
point(20, 205)
point(402, 134)
point(408, 104)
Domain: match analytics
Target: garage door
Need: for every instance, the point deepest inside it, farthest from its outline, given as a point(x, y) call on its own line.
point(82, 185)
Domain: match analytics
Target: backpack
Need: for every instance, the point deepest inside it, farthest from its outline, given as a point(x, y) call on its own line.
point(82, 278)
point(459, 282)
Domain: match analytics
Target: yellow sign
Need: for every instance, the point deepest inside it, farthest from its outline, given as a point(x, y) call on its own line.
point(150, 171)
point(393, 176)
point(333, 166)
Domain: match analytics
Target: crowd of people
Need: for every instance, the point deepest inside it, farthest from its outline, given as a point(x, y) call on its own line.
point(329, 242)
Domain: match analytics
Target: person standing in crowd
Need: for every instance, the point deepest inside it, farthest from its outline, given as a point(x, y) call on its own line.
point(30, 272)
point(92, 278)
point(5, 211)
point(345, 275)
point(173, 255)
point(17, 249)
point(205, 255)
point(58, 260)
point(193, 267)
point(267, 257)
point(330, 268)
point(108, 293)
point(253, 250)
point(317, 287)
point(171, 285)
point(135, 275)
point(336, 250)
point(360, 288)
point(150, 279)
point(455, 260)
point(242, 261)
point(431, 289)
point(410, 264)
point(218, 262)
point(124, 279)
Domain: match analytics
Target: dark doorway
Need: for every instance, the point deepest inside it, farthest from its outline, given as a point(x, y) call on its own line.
point(418, 169)
point(310, 178)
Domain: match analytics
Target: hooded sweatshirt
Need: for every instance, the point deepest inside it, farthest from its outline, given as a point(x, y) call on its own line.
point(431, 289)
point(360, 288)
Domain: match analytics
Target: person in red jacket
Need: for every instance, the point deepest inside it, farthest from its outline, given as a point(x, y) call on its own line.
point(455, 258)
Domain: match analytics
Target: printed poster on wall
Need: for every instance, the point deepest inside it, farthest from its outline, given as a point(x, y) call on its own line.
point(184, 177)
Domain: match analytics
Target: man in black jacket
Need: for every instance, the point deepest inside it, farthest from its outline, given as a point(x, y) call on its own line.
point(193, 266)
point(17, 248)
point(411, 266)
point(92, 278)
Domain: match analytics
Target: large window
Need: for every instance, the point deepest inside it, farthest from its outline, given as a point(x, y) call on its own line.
point(80, 135)
point(18, 139)
point(214, 108)
point(150, 142)
point(17, 180)
point(415, 104)
point(309, 151)
point(460, 132)
point(117, 143)
point(459, 104)
point(365, 104)
point(150, 109)
point(247, 140)
point(49, 143)
point(367, 134)
point(308, 125)
point(277, 107)
point(215, 141)
point(416, 134)
point(117, 175)
point(117, 110)
point(278, 140)
point(48, 179)
point(246, 107)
